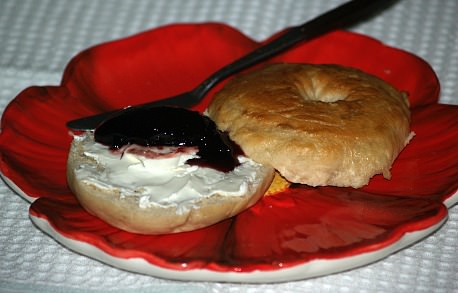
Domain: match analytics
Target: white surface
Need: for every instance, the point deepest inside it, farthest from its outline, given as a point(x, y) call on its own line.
point(38, 37)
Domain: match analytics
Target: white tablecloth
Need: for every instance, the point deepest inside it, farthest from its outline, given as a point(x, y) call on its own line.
point(38, 38)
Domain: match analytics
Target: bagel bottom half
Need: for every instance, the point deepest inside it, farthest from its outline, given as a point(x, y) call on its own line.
point(315, 124)
point(123, 210)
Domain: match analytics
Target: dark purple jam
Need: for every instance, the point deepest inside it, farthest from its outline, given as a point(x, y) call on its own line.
point(169, 126)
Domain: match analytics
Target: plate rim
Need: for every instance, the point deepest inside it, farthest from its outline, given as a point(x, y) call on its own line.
point(307, 270)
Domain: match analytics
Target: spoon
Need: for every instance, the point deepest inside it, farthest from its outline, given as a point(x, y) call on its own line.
point(343, 15)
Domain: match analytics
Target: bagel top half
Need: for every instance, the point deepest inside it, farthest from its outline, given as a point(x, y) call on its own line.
point(315, 124)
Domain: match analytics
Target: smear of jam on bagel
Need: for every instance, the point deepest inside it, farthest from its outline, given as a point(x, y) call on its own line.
point(170, 126)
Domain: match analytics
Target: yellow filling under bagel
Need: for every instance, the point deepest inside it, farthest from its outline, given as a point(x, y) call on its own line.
point(278, 184)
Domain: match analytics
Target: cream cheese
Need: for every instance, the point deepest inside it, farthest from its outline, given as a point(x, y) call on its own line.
point(163, 181)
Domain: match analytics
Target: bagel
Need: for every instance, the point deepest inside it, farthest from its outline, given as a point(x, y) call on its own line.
point(160, 194)
point(315, 124)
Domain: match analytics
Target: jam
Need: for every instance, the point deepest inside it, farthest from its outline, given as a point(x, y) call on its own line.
point(169, 126)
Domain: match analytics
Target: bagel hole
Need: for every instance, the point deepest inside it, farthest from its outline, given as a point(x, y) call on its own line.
point(318, 92)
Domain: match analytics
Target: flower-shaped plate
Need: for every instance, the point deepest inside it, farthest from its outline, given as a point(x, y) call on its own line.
point(299, 233)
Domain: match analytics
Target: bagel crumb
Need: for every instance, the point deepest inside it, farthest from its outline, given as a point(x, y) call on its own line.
point(278, 184)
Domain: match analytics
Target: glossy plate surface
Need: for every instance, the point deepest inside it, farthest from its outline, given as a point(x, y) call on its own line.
point(299, 233)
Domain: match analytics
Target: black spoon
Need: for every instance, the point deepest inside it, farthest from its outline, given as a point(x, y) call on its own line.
point(339, 17)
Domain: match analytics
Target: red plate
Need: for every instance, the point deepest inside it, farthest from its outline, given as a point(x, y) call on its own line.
point(299, 233)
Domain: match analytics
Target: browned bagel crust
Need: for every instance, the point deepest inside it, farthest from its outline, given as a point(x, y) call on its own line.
point(315, 124)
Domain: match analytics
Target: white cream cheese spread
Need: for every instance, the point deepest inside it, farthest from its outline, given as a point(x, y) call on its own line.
point(166, 180)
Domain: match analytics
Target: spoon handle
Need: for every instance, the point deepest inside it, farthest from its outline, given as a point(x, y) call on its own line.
point(339, 17)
